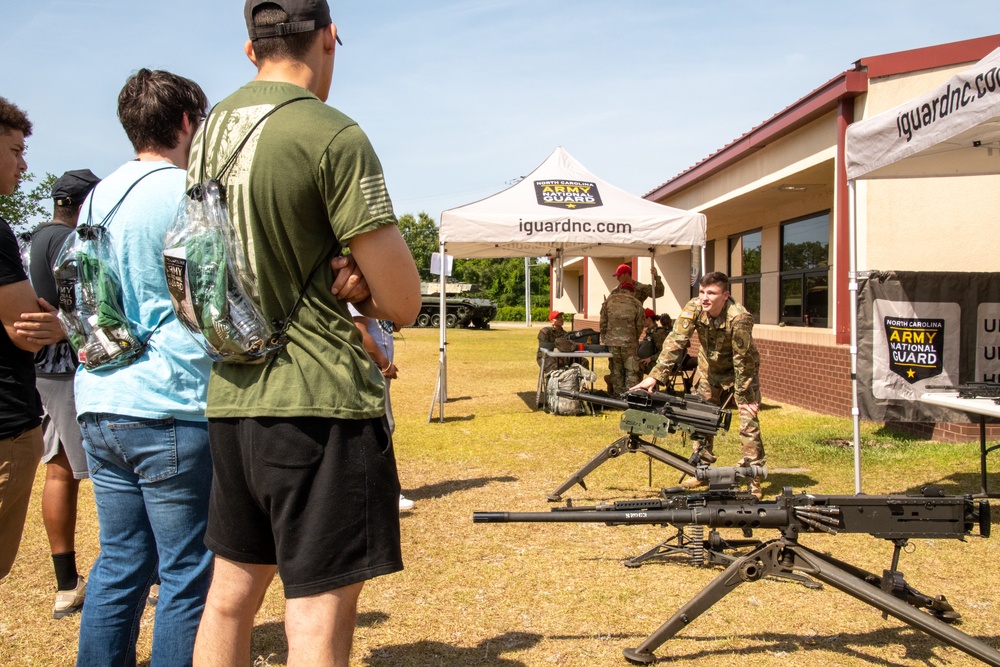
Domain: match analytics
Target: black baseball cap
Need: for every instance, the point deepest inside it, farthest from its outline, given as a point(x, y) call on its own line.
point(72, 188)
point(303, 16)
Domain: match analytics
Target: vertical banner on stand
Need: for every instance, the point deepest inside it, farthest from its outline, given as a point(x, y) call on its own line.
point(988, 342)
point(920, 330)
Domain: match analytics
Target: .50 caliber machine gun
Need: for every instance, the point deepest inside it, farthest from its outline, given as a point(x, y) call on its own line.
point(654, 414)
point(898, 518)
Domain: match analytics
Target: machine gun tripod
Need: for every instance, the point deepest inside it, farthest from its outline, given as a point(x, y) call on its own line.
point(896, 518)
point(689, 541)
point(655, 414)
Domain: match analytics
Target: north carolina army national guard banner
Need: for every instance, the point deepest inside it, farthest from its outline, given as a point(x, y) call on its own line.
point(918, 330)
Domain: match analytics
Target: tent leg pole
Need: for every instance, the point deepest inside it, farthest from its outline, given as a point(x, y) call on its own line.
point(853, 281)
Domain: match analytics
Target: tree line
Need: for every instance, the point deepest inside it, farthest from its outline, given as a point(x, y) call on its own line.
point(498, 279)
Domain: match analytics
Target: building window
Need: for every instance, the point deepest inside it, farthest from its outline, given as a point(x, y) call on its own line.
point(805, 271)
point(744, 270)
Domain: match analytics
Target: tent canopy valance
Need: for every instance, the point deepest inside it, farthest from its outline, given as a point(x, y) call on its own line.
point(953, 130)
point(562, 209)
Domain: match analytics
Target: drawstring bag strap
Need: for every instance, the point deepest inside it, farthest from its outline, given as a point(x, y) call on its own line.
point(114, 209)
point(232, 158)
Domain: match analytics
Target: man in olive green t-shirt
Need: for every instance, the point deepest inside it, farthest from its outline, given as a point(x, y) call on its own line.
point(305, 478)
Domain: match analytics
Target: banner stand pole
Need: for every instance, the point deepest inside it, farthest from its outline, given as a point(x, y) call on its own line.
point(441, 386)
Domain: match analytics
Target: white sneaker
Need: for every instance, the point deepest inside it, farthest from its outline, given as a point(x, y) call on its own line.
point(405, 504)
point(71, 601)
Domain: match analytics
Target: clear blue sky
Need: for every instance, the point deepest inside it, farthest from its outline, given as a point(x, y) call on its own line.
point(460, 98)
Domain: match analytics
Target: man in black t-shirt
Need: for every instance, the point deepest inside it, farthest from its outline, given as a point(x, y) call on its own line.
point(20, 408)
point(55, 368)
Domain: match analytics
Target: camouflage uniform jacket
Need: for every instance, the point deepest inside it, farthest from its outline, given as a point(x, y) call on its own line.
point(642, 290)
point(555, 336)
point(727, 357)
point(622, 319)
point(657, 335)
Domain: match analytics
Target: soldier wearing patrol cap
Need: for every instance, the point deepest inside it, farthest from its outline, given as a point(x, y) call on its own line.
point(728, 363)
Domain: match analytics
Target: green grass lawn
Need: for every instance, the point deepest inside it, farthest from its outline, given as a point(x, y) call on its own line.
point(557, 594)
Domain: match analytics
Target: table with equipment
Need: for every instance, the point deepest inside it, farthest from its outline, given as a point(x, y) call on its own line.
point(984, 407)
point(555, 354)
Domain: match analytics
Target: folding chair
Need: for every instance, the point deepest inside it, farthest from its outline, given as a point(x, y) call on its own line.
point(684, 372)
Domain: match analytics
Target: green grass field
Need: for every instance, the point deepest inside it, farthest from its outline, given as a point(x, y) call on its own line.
point(515, 595)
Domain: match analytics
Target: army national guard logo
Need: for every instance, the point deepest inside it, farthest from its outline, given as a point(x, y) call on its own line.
point(916, 347)
point(567, 194)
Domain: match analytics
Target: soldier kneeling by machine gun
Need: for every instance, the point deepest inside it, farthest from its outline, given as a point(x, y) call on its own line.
point(897, 518)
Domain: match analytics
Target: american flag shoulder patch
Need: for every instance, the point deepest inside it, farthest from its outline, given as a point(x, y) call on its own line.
point(376, 196)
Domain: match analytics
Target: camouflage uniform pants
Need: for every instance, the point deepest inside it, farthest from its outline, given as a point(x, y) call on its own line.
point(624, 368)
point(751, 445)
point(548, 365)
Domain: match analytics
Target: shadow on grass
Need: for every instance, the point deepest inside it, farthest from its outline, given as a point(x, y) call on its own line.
point(434, 418)
point(268, 642)
point(441, 489)
point(487, 652)
point(899, 436)
point(914, 645)
point(529, 399)
point(271, 647)
point(775, 482)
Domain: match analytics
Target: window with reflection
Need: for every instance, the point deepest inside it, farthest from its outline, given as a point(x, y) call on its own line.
point(805, 271)
point(744, 270)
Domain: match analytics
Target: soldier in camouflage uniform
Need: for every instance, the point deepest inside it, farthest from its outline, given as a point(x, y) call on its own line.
point(728, 362)
point(553, 337)
point(655, 334)
point(622, 318)
point(640, 291)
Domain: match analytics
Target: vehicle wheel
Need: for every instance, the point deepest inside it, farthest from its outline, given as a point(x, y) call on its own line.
point(436, 320)
point(423, 320)
point(451, 320)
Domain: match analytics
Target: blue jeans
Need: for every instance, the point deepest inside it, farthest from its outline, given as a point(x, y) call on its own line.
point(151, 480)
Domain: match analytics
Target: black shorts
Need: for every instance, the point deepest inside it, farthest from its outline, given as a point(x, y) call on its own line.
point(318, 497)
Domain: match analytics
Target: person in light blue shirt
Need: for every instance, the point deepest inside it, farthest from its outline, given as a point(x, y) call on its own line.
point(144, 426)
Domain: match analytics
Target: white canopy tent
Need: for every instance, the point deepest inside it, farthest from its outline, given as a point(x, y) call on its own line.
point(561, 210)
point(953, 130)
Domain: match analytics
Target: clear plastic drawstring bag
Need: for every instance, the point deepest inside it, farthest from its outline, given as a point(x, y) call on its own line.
point(90, 301)
point(90, 307)
point(207, 287)
point(24, 247)
point(208, 275)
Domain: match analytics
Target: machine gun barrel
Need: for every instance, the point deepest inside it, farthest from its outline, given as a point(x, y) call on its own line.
point(889, 517)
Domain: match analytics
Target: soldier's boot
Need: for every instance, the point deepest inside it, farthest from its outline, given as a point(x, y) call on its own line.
point(701, 452)
point(755, 488)
point(607, 381)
